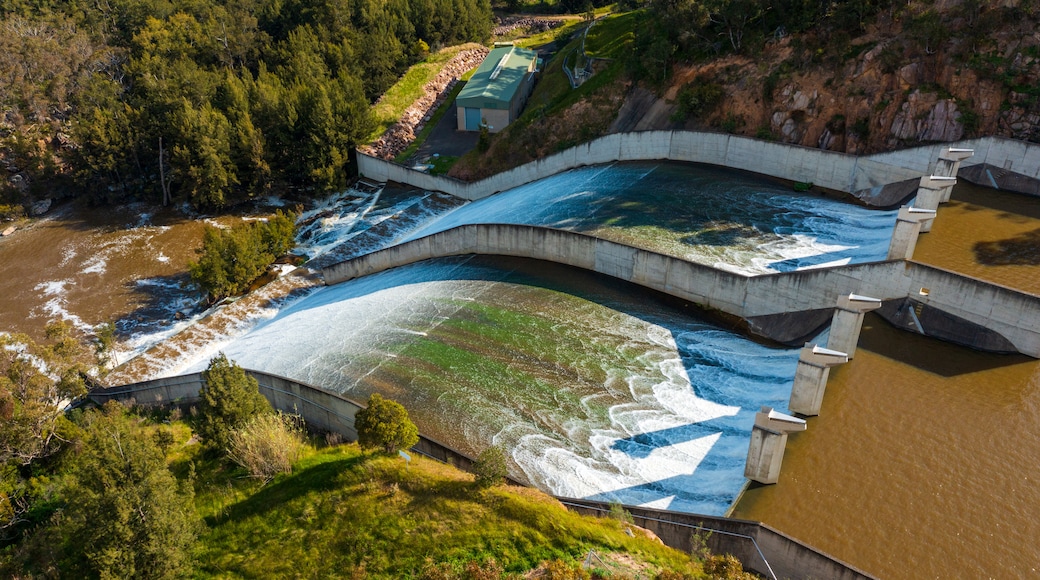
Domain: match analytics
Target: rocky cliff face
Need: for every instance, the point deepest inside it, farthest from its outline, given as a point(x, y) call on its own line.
point(975, 70)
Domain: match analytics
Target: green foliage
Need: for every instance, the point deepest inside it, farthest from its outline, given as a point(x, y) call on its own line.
point(398, 520)
point(968, 117)
point(697, 99)
point(228, 400)
point(861, 127)
point(490, 467)
point(126, 516)
point(385, 424)
point(619, 513)
point(267, 445)
point(230, 260)
point(484, 140)
point(209, 101)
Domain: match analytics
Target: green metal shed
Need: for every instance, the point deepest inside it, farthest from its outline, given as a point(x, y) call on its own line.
point(498, 90)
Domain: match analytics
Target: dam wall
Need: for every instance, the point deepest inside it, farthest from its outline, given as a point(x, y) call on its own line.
point(1006, 312)
point(882, 179)
point(758, 547)
point(322, 410)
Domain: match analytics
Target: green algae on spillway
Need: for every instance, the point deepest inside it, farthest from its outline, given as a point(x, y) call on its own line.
point(597, 388)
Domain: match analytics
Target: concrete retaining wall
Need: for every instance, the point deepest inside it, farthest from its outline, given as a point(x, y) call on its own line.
point(326, 411)
point(1010, 313)
point(880, 179)
point(759, 548)
point(322, 410)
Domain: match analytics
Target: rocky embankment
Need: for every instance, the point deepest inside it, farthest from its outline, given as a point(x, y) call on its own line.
point(402, 133)
point(885, 89)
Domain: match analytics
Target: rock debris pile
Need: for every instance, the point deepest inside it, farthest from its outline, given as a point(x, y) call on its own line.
point(531, 25)
point(402, 133)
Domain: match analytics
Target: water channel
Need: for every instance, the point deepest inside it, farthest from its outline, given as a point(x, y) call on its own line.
point(920, 464)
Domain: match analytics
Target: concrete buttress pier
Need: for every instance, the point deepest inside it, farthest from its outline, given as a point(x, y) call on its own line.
point(908, 227)
point(848, 322)
point(949, 164)
point(768, 440)
point(930, 193)
point(810, 378)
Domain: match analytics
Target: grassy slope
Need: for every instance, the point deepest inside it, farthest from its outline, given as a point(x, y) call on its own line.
point(408, 88)
point(344, 512)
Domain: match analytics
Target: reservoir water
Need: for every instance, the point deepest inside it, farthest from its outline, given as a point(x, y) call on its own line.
point(920, 464)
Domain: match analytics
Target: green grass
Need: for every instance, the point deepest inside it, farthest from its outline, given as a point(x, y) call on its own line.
point(573, 24)
point(343, 511)
point(409, 88)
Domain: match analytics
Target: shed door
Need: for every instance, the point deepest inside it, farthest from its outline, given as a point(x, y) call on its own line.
point(472, 119)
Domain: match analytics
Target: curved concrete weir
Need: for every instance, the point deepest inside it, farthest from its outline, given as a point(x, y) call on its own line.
point(881, 179)
point(1005, 312)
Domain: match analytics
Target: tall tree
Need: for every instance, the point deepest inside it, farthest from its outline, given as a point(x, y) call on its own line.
point(228, 400)
point(385, 423)
point(126, 515)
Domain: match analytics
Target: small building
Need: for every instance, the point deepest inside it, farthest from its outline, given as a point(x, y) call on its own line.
point(498, 91)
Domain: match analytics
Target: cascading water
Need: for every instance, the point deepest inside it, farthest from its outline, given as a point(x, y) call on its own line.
point(597, 391)
point(715, 217)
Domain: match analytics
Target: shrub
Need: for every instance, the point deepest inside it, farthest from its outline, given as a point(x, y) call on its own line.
point(698, 98)
point(385, 424)
point(228, 400)
point(490, 467)
point(267, 445)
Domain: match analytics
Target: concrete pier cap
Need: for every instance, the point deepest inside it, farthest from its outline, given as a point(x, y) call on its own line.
point(955, 154)
point(810, 378)
point(818, 355)
point(768, 441)
point(908, 227)
point(937, 181)
point(772, 420)
point(859, 303)
point(847, 322)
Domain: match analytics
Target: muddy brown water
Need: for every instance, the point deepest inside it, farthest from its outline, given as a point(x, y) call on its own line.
point(91, 265)
point(922, 463)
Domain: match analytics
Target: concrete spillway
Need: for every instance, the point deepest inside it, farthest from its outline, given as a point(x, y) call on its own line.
point(994, 318)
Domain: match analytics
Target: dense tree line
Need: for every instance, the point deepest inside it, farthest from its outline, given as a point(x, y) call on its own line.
point(205, 101)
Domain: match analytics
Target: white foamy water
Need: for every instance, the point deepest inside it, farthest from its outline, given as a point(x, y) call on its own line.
point(609, 398)
point(713, 217)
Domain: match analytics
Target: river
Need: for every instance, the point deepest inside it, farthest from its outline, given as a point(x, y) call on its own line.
point(918, 466)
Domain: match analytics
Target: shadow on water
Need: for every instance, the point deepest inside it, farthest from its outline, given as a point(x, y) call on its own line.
point(684, 487)
point(1014, 206)
point(929, 354)
point(161, 300)
point(1021, 250)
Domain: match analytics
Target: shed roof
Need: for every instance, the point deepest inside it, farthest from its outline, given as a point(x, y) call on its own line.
point(497, 78)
